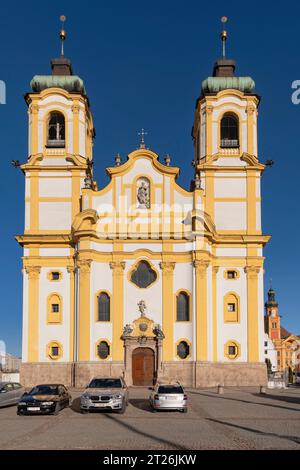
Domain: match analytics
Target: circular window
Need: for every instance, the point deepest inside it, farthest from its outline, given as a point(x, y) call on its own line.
point(103, 350)
point(183, 350)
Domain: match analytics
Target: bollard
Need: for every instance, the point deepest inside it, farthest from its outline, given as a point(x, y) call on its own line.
point(262, 390)
point(220, 389)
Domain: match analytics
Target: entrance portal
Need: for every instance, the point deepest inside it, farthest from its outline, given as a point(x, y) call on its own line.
point(142, 366)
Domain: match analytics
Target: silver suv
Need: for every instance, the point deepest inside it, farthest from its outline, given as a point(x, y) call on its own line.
point(105, 393)
point(168, 396)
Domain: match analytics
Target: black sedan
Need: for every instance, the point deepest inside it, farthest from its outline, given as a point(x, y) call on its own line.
point(44, 399)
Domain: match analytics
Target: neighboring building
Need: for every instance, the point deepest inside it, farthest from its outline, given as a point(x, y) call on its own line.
point(9, 363)
point(142, 277)
point(287, 345)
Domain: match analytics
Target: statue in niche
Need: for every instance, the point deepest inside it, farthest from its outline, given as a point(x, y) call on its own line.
point(143, 193)
point(142, 308)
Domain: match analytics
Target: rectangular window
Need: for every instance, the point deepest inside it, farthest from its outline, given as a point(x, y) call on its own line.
point(55, 276)
point(54, 350)
point(274, 325)
point(55, 308)
point(232, 350)
point(266, 343)
point(278, 353)
point(231, 274)
point(266, 351)
point(231, 307)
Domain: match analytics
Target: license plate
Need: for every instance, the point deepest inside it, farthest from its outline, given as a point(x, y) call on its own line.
point(34, 408)
point(100, 405)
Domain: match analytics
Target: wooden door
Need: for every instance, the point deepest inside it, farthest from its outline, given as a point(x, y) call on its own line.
point(143, 366)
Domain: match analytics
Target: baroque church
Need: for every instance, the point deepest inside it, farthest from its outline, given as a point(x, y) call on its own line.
point(143, 278)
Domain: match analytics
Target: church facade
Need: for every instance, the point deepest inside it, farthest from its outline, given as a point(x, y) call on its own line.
point(143, 278)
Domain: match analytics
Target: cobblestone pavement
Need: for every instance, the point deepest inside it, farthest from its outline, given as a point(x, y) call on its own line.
point(239, 419)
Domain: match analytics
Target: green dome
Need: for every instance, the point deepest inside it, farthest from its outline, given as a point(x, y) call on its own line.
point(70, 83)
point(216, 84)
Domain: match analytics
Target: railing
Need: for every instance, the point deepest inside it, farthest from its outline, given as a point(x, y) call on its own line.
point(226, 143)
point(55, 143)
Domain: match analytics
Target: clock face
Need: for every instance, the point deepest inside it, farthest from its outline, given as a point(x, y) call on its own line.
point(273, 313)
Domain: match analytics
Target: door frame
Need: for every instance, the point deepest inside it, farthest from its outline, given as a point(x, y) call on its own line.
point(131, 343)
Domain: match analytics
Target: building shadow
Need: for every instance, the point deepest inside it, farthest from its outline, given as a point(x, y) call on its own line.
point(285, 398)
point(295, 439)
point(75, 405)
point(161, 441)
point(272, 405)
point(141, 404)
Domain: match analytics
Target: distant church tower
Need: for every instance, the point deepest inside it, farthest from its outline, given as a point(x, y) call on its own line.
point(143, 278)
point(272, 317)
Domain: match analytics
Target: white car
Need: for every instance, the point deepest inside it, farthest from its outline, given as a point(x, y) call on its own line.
point(169, 396)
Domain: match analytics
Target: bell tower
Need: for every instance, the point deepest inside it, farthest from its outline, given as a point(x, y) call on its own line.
point(58, 167)
point(272, 316)
point(60, 142)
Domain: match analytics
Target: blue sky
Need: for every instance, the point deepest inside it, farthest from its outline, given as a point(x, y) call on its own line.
point(143, 63)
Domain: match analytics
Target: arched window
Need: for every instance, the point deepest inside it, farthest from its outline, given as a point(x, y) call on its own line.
point(56, 130)
point(103, 307)
point(230, 131)
point(54, 309)
point(182, 307)
point(103, 349)
point(183, 349)
point(143, 275)
point(231, 308)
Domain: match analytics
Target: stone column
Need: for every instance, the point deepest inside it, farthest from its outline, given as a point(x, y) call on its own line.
point(167, 268)
point(84, 266)
point(117, 309)
point(201, 309)
point(253, 312)
point(33, 273)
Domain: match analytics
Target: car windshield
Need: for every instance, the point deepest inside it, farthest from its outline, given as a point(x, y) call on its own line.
point(44, 390)
point(105, 383)
point(170, 389)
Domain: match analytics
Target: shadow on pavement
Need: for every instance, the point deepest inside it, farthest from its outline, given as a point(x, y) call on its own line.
point(272, 405)
point(164, 442)
point(141, 404)
point(295, 439)
point(75, 406)
point(284, 398)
